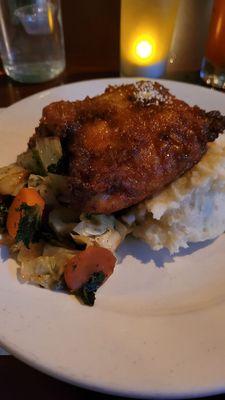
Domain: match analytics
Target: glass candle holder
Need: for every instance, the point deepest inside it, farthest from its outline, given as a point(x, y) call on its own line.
point(146, 32)
point(213, 64)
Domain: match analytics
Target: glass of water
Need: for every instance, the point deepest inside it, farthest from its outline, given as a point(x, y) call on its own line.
point(31, 39)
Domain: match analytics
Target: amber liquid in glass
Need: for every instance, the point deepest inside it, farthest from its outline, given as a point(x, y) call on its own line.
point(213, 66)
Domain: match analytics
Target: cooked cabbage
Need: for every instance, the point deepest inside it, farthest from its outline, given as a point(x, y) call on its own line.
point(12, 179)
point(62, 254)
point(25, 254)
point(82, 240)
point(101, 230)
point(49, 151)
point(49, 187)
point(94, 225)
point(112, 238)
point(46, 270)
point(30, 161)
point(62, 220)
point(42, 271)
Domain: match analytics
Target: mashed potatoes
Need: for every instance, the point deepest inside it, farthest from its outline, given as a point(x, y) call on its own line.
point(191, 209)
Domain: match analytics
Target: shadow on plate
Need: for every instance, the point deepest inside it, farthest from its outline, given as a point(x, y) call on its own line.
point(139, 250)
point(4, 253)
point(143, 252)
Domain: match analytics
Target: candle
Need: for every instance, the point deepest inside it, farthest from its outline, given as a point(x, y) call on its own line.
point(146, 32)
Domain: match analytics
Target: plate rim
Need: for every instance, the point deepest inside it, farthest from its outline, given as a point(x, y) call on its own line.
point(37, 365)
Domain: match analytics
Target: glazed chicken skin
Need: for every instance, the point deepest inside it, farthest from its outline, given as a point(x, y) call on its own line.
point(127, 144)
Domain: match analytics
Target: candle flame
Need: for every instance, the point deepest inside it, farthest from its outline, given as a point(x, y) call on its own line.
point(144, 49)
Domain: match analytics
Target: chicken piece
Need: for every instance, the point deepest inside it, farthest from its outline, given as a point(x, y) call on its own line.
point(127, 144)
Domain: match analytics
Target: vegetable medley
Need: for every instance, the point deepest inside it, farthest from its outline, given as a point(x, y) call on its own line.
point(55, 247)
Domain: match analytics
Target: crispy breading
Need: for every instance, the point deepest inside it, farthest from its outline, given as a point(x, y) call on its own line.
point(127, 144)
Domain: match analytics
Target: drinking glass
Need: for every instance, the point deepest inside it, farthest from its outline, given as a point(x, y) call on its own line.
point(146, 33)
point(213, 64)
point(31, 39)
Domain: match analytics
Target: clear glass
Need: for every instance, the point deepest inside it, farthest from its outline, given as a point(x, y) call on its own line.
point(31, 39)
point(213, 64)
point(146, 32)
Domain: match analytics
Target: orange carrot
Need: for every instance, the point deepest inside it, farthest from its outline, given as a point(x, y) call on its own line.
point(28, 196)
point(91, 260)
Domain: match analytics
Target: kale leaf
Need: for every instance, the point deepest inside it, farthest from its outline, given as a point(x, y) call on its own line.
point(29, 224)
point(3, 216)
point(59, 167)
point(5, 202)
point(88, 290)
point(39, 168)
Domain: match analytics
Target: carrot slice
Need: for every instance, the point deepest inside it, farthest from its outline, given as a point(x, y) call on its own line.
point(28, 196)
point(84, 264)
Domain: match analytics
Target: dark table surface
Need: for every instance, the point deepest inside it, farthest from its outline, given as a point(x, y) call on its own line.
point(91, 31)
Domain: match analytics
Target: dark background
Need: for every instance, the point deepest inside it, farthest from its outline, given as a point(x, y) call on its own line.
point(92, 38)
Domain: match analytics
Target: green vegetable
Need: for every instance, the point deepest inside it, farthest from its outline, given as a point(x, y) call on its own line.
point(42, 271)
point(62, 221)
point(31, 162)
point(3, 216)
point(29, 225)
point(5, 202)
point(12, 178)
point(40, 167)
point(49, 151)
point(88, 290)
point(49, 187)
point(59, 167)
point(47, 268)
point(94, 225)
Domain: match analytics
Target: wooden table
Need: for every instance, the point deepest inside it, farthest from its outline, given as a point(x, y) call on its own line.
point(91, 30)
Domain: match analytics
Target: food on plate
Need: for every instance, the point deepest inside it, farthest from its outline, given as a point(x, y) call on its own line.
point(85, 273)
point(126, 144)
point(191, 209)
point(134, 160)
point(18, 220)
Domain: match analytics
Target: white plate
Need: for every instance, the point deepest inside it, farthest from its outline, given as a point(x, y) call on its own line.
point(158, 325)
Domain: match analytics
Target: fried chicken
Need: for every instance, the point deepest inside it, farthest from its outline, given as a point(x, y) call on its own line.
point(127, 144)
